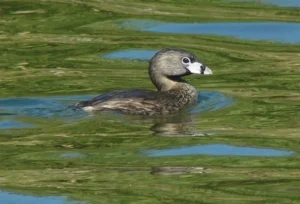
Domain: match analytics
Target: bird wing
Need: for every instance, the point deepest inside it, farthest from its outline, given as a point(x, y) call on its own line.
point(128, 101)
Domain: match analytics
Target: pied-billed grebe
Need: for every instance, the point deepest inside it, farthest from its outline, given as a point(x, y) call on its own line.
point(173, 93)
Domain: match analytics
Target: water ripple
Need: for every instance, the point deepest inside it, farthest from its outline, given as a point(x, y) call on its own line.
point(62, 107)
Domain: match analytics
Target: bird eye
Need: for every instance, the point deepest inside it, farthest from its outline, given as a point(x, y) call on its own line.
point(186, 60)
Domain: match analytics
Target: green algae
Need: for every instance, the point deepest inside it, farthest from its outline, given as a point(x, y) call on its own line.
point(40, 39)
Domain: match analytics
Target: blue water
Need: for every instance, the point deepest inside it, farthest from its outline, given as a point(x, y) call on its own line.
point(72, 155)
point(43, 107)
point(281, 3)
point(218, 150)
point(131, 54)
point(9, 124)
point(211, 101)
point(13, 198)
point(61, 107)
point(38, 107)
point(268, 31)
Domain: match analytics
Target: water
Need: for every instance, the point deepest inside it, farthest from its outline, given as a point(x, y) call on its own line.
point(211, 101)
point(38, 107)
point(72, 155)
point(13, 198)
point(131, 54)
point(42, 107)
point(218, 150)
point(9, 124)
point(61, 107)
point(268, 31)
point(281, 3)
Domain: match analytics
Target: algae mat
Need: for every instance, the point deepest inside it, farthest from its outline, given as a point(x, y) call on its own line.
point(52, 48)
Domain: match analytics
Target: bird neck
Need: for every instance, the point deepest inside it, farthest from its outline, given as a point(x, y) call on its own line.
point(164, 83)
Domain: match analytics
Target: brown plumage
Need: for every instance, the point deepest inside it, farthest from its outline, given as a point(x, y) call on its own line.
point(165, 69)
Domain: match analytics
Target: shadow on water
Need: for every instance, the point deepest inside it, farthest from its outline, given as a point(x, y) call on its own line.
point(269, 31)
point(218, 150)
point(13, 198)
point(61, 107)
point(281, 3)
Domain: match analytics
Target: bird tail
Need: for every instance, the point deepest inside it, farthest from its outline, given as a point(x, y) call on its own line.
point(81, 104)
